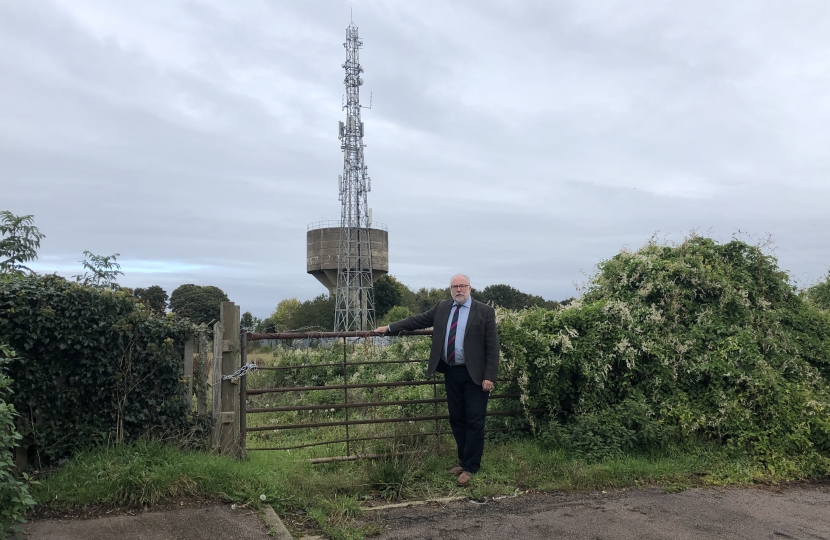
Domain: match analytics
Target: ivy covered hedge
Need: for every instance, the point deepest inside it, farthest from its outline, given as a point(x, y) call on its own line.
point(93, 365)
point(15, 499)
point(679, 344)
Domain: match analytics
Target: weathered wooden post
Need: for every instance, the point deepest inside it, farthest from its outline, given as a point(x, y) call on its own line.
point(188, 371)
point(216, 384)
point(202, 374)
point(226, 360)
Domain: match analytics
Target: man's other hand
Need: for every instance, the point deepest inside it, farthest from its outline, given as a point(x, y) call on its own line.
point(487, 385)
point(381, 329)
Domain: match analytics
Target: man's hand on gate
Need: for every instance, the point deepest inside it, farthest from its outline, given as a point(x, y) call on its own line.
point(381, 329)
point(487, 385)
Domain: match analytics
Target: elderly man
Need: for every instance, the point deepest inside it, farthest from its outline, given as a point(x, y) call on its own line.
point(465, 348)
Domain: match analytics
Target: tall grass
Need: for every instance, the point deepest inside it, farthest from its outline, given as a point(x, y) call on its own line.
point(330, 495)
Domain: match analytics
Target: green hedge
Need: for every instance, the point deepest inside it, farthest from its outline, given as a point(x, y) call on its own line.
point(675, 345)
point(93, 365)
point(15, 499)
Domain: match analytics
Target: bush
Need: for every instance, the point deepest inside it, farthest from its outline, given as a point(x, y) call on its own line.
point(397, 313)
point(819, 293)
point(675, 344)
point(93, 366)
point(15, 500)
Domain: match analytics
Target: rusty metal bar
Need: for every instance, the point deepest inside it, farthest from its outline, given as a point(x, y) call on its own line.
point(435, 400)
point(243, 395)
point(304, 366)
point(378, 438)
point(336, 387)
point(346, 396)
point(343, 423)
point(378, 421)
point(256, 336)
point(315, 461)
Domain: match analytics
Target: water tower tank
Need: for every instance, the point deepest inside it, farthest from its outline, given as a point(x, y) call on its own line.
point(323, 248)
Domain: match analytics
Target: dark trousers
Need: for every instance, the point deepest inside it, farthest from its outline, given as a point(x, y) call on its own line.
point(467, 404)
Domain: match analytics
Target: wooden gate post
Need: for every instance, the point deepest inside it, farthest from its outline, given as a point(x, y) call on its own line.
point(188, 371)
point(202, 374)
point(216, 384)
point(226, 360)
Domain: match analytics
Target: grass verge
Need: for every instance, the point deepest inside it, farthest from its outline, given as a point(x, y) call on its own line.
point(330, 496)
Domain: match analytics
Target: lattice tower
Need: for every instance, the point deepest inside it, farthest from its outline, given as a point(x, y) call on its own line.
point(355, 305)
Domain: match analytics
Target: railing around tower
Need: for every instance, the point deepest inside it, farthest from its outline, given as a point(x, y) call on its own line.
point(332, 224)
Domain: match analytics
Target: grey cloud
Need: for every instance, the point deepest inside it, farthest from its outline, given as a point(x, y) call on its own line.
point(520, 143)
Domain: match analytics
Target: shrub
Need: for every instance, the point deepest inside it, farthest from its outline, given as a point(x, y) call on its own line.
point(819, 293)
point(15, 500)
point(670, 344)
point(93, 366)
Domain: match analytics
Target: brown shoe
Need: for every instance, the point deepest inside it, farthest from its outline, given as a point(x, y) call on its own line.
point(458, 469)
point(464, 478)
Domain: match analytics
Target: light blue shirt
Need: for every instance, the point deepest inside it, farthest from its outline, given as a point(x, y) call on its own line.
point(463, 315)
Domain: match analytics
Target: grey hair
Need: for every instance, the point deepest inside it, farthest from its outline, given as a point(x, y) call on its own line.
point(465, 276)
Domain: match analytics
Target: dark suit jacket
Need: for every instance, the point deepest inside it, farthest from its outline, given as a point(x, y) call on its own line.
point(481, 340)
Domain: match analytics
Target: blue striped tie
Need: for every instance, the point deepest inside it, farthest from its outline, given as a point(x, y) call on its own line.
point(451, 337)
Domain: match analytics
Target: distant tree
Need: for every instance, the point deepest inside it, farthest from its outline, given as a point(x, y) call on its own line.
point(316, 314)
point(396, 314)
point(101, 271)
point(389, 292)
point(511, 298)
point(19, 241)
point(154, 297)
point(281, 319)
point(425, 298)
point(198, 303)
point(819, 293)
point(248, 322)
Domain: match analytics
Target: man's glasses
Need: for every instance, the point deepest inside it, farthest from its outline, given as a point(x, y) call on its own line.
point(458, 287)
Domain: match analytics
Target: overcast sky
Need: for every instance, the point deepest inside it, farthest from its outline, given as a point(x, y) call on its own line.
point(518, 142)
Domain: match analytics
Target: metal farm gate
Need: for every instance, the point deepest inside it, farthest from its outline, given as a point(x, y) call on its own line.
point(248, 402)
point(338, 397)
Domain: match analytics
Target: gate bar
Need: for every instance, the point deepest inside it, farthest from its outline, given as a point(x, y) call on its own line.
point(303, 366)
point(338, 441)
point(380, 421)
point(255, 336)
point(364, 404)
point(338, 387)
point(346, 396)
point(243, 396)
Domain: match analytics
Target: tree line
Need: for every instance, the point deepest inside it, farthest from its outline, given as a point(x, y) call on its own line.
point(20, 239)
point(393, 301)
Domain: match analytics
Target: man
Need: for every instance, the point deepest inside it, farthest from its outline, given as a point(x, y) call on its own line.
point(465, 348)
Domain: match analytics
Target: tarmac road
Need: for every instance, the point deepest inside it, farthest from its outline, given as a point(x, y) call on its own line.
point(178, 524)
point(791, 513)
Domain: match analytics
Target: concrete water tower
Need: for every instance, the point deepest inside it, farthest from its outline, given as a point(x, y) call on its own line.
point(323, 249)
point(348, 256)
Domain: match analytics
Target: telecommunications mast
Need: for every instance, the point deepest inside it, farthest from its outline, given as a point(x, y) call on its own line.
point(354, 295)
point(348, 255)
